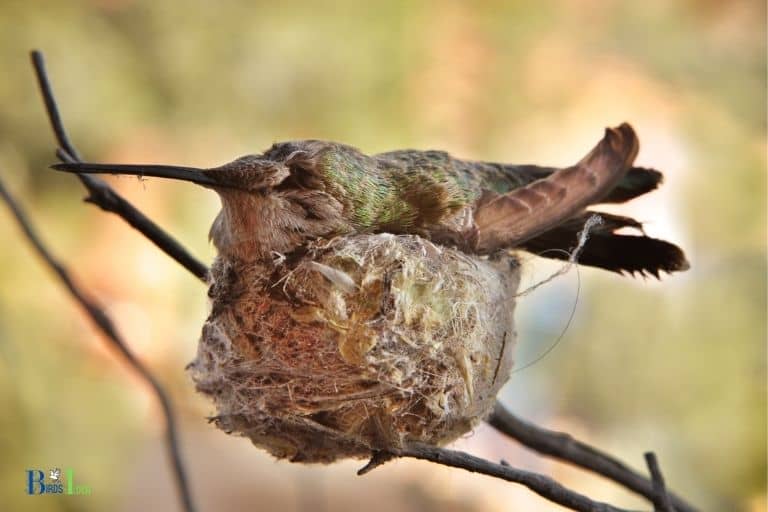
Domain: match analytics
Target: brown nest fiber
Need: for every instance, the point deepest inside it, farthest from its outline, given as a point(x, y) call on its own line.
point(363, 343)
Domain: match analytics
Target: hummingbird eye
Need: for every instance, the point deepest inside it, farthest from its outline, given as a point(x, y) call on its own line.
point(281, 151)
point(251, 173)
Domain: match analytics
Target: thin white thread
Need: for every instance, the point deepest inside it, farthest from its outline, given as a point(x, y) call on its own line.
point(593, 221)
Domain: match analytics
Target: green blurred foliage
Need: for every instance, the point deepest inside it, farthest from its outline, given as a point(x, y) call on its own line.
point(677, 367)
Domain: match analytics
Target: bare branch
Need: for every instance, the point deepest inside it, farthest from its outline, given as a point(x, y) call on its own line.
point(540, 484)
point(562, 446)
point(101, 194)
point(662, 501)
point(113, 338)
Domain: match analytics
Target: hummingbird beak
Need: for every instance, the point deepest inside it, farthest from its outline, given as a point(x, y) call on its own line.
point(173, 172)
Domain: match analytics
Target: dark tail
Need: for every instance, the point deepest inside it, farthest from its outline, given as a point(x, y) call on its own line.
point(605, 249)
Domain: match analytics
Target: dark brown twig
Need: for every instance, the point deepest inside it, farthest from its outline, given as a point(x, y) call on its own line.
point(662, 501)
point(540, 484)
point(562, 446)
point(105, 325)
point(101, 194)
point(378, 458)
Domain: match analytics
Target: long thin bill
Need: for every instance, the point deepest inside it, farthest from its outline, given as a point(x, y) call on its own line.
point(173, 172)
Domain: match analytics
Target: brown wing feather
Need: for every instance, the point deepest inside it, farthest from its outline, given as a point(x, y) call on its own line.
point(508, 220)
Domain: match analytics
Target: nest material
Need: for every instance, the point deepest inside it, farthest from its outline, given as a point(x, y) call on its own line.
point(363, 343)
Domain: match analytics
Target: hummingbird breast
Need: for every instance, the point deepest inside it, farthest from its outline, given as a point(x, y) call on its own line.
point(262, 226)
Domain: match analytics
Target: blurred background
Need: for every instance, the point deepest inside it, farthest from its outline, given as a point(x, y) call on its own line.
point(676, 366)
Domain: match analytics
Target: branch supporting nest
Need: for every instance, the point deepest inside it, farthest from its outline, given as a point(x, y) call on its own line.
point(554, 444)
point(563, 447)
point(542, 485)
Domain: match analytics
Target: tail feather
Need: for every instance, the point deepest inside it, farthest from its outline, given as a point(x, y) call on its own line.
point(607, 250)
point(638, 181)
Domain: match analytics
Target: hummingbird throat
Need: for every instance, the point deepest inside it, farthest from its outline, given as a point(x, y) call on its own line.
point(259, 226)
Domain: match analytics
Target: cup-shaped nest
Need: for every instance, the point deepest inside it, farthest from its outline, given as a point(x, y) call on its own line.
point(362, 343)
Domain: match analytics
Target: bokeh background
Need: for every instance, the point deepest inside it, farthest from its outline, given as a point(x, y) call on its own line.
point(676, 366)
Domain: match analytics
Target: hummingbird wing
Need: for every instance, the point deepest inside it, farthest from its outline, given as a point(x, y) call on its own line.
point(504, 178)
point(510, 219)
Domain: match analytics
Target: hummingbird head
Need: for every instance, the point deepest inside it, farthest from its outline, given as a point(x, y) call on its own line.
point(266, 199)
point(250, 173)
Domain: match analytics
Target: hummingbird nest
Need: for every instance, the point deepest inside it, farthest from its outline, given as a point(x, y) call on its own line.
point(362, 343)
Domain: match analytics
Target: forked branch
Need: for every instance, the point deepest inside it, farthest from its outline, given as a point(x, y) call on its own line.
point(563, 447)
point(101, 194)
point(542, 485)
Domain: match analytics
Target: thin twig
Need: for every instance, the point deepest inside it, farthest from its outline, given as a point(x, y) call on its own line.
point(101, 194)
point(542, 485)
point(562, 446)
point(662, 501)
point(378, 458)
point(105, 325)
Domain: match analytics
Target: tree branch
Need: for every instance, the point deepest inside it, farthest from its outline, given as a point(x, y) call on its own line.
point(662, 501)
point(562, 446)
point(540, 484)
point(101, 194)
point(113, 338)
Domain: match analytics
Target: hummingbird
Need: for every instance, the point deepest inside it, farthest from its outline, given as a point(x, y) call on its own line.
point(275, 202)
